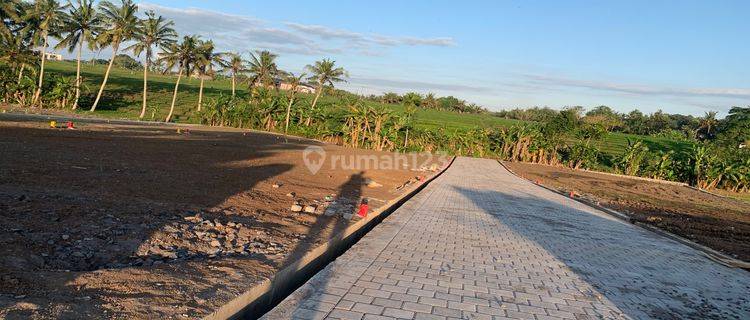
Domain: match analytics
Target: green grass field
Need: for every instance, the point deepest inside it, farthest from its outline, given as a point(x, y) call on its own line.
point(122, 99)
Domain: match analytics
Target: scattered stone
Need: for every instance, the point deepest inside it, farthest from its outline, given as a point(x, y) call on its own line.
point(215, 243)
point(372, 184)
point(65, 237)
point(196, 218)
point(277, 185)
point(310, 209)
point(291, 194)
point(296, 208)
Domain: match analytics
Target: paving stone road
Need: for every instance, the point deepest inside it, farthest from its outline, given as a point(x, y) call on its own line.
point(480, 243)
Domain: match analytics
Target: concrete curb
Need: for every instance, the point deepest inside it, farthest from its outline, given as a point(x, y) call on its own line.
point(261, 298)
point(708, 252)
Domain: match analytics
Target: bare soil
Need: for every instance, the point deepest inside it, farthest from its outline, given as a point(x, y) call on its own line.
point(126, 221)
point(720, 223)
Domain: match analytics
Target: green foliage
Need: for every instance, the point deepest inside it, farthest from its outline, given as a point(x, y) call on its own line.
point(631, 161)
point(127, 62)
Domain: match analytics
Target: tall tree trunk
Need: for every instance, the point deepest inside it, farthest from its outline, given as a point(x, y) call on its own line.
point(106, 76)
point(200, 95)
point(406, 140)
point(174, 96)
point(41, 70)
point(145, 89)
point(288, 111)
point(317, 95)
point(20, 73)
point(78, 74)
point(234, 79)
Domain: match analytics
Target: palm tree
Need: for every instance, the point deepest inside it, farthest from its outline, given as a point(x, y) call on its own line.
point(153, 32)
point(206, 58)
point(324, 72)
point(119, 25)
point(16, 51)
point(50, 15)
point(708, 124)
point(234, 65)
point(294, 82)
point(81, 25)
point(8, 14)
point(263, 68)
point(429, 101)
point(182, 55)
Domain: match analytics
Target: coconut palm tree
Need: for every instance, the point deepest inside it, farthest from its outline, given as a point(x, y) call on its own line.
point(294, 82)
point(708, 124)
point(16, 51)
point(153, 32)
point(263, 69)
point(182, 55)
point(81, 25)
point(119, 24)
point(325, 72)
point(50, 15)
point(429, 101)
point(8, 14)
point(235, 65)
point(205, 59)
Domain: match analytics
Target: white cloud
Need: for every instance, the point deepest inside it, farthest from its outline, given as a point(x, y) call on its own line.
point(642, 90)
point(244, 33)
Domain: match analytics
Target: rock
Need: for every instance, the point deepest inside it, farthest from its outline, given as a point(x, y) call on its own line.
point(215, 243)
point(195, 219)
point(291, 194)
point(372, 184)
point(296, 208)
point(65, 237)
point(310, 209)
point(276, 185)
point(51, 242)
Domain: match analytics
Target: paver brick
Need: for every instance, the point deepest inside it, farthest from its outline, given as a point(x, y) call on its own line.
point(480, 242)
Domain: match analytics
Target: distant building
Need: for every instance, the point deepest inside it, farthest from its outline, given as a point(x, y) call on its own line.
point(53, 56)
point(304, 88)
point(50, 55)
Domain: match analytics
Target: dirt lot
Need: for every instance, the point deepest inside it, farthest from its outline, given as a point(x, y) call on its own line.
point(115, 221)
point(717, 222)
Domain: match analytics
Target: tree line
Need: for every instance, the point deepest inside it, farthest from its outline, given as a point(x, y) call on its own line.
point(28, 25)
point(659, 123)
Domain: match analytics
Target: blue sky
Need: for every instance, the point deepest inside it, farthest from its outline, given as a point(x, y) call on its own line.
point(680, 56)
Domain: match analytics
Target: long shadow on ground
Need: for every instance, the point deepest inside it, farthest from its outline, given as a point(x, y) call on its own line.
point(93, 205)
point(643, 274)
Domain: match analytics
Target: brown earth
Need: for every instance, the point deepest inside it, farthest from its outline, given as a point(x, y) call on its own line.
point(718, 222)
point(126, 221)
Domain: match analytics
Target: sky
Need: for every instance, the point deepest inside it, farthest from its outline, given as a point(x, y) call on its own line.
point(685, 57)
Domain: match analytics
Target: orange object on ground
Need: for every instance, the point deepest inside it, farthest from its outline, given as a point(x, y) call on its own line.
point(70, 125)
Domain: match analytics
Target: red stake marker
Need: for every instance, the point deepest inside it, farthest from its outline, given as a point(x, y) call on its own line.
point(363, 208)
